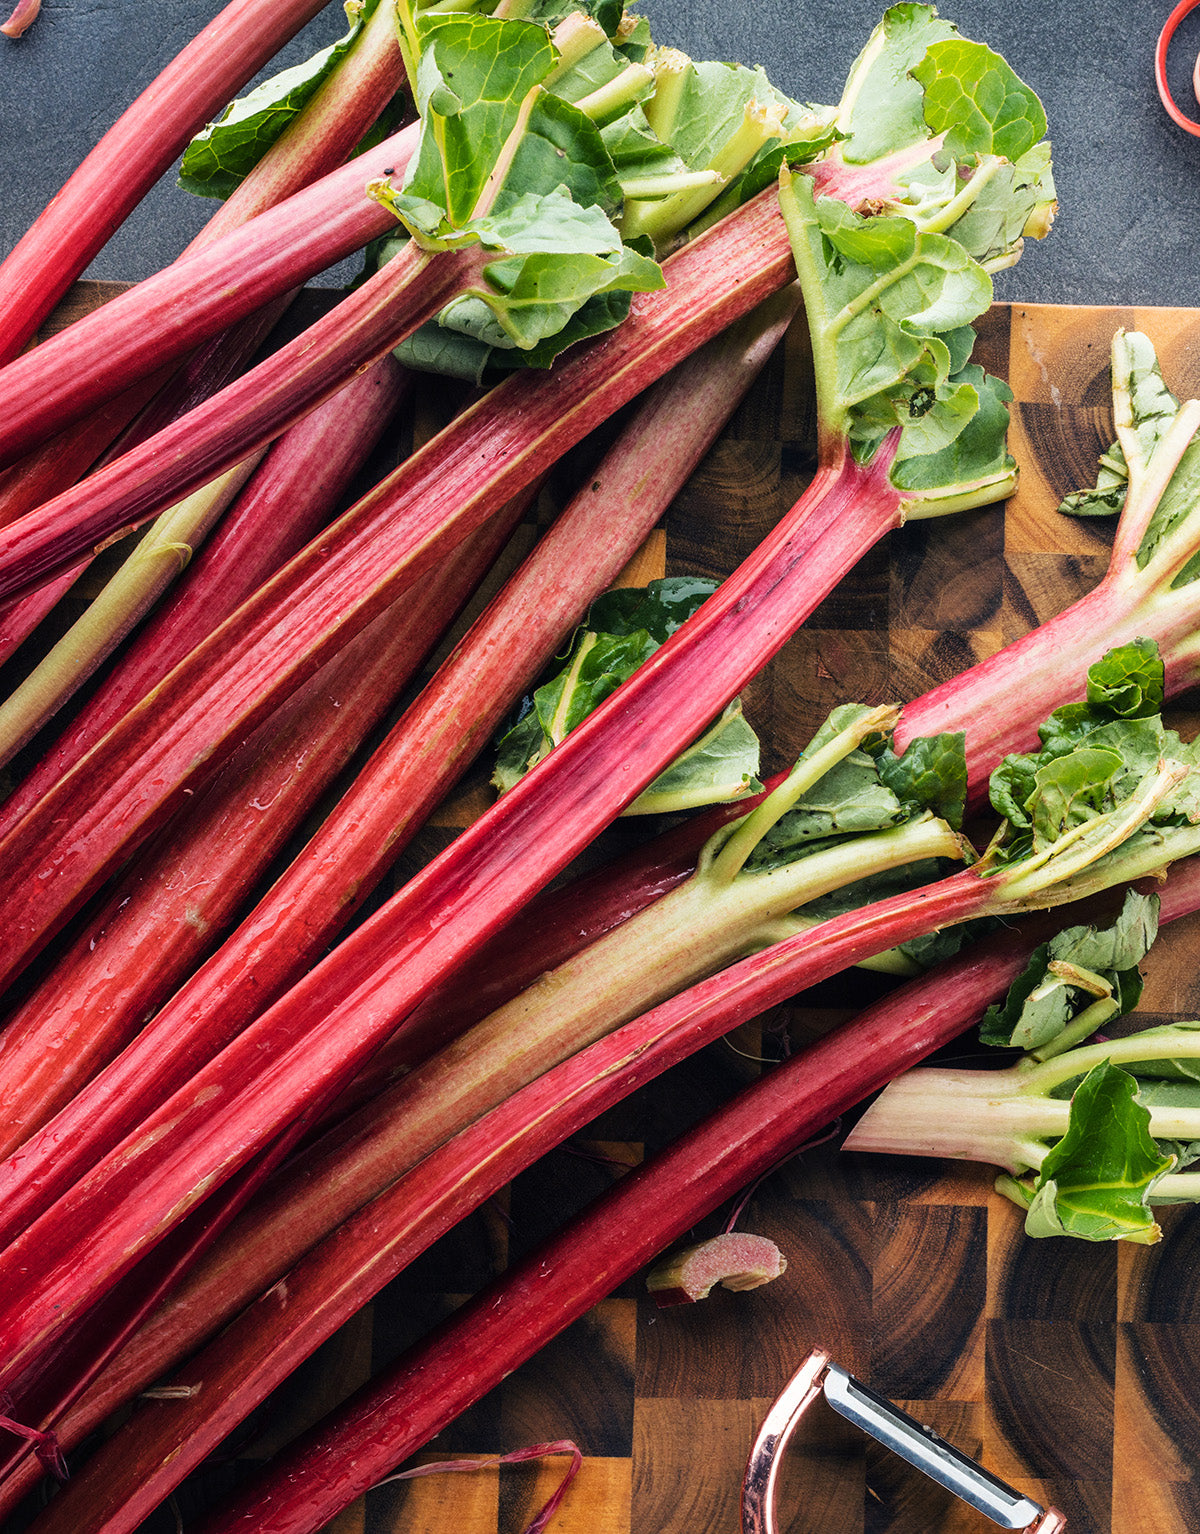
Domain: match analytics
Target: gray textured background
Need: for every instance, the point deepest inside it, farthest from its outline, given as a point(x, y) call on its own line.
point(1128, 179)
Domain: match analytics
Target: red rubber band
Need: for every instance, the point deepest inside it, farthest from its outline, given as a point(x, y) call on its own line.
point(1188, 124)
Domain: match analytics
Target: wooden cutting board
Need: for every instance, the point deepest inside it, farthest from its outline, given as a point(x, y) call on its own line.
point(1067, 1369)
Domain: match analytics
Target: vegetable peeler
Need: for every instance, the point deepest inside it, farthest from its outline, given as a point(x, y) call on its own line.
point(919, 1446)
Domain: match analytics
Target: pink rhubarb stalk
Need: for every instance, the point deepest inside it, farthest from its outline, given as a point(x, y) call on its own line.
point(147, 1459)
point(134, 153)
point(286, 502)
point(174, 904)
point(153, 757)
point(311, 1043)
point(409, 774)
point(196, 297)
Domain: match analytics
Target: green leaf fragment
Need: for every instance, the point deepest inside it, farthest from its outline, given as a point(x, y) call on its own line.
point(1095, 1182)
point(623, 628)
point(977, 101)
point(870, 789)
point(932, 772)
point(882, 107)
point(219, 158)
point(720, 767)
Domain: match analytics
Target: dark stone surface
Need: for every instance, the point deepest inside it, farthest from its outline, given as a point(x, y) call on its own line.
point(1128, 178)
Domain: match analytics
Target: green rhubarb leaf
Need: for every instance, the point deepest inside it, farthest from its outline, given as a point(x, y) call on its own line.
point(973, 97)
point(1176, 504)
point(434, 348)
point(220, 157)
point(1070, 790)
point(870, 789)
point(932, 773)
point(473, 76)
point(1094, 1184)
point(878, 292)
point(657, 609)
point(1093, 753)
point(1128, 682)
point(977, 455)
point(623, 628)
point(1065, 976)
point(606, 13)
point(1006, 203)
point(543, 205)
point(709, 108)
point(535, 298)
point(882, 107)
point(720, 767)
point(950, 134)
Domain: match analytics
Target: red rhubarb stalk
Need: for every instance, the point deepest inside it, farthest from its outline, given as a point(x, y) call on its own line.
point(412, 770)
point(174, 904)
point(201, 294)
point(643, 1212)
point(145, 1461)
point(310, 1044)
point(319, 139)
point(285, 503)
point(319, 600)
point(150, 1182)
point(162, 554)
point(241, 418)
point(134, 153)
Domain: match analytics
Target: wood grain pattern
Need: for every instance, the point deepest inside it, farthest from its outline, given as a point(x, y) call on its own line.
point(1069, 1370)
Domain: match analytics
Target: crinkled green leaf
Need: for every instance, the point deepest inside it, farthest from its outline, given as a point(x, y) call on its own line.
point(1121, 945)
point(1152, 409)
point(931, 772)
point(606, 13)
point(1069, 790)
point(220, 157)
point(1093, 754)
point(978, 452)
point(1177, 502)
point(1128, 682)
point(977, 101)
point(712, 102)
point(1095, 1182)
point(868, 790)
point(1008, 195)
point(435, 349)
point(658, 609)
point(886, 290)
point(473, 76)
point(882, 108)
point(530, 300)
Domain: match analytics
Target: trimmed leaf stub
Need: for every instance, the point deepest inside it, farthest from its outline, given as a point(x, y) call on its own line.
point(734, 1260)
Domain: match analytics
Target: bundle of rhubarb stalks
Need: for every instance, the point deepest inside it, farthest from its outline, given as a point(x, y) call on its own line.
point(234, 1104)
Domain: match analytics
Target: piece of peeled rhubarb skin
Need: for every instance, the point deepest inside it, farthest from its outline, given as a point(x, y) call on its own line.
point(735, 1260)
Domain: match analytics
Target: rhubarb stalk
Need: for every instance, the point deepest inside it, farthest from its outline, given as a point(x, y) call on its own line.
point(133, 154)
point(431, 744)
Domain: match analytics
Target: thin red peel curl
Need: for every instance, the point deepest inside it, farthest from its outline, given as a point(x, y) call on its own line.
point(514, 1457)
